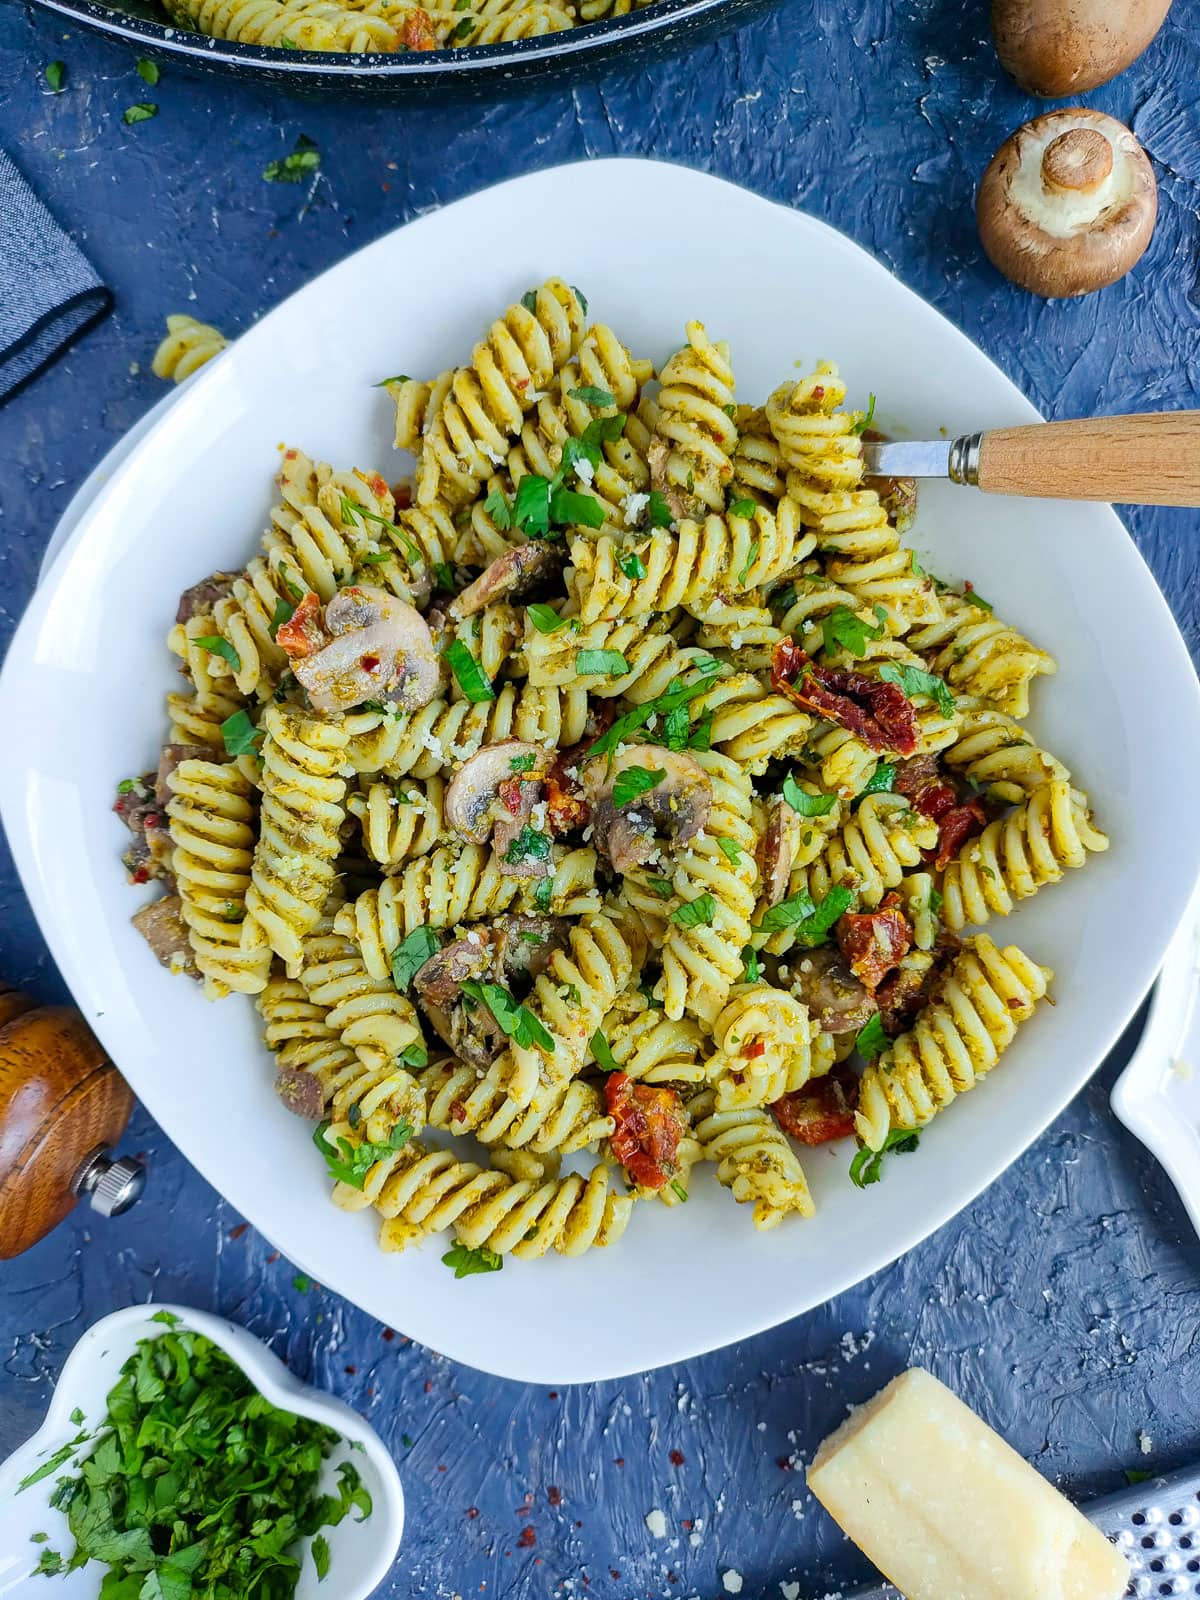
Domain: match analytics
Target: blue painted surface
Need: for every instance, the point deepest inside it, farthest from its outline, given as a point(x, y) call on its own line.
point(1065, 1303)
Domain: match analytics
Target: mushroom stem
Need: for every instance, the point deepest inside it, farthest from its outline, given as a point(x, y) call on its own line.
point(1077, 162)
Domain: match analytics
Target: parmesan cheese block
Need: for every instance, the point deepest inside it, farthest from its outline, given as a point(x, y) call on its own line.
point(948, 1511)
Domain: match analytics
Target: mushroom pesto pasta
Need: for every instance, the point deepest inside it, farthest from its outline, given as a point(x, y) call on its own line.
point(615, 789)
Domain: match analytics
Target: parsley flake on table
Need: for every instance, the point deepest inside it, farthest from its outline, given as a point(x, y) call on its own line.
point(147, 70)
point(142, 112)
point(56, 76)
point(198, 1485)
point(301, 163)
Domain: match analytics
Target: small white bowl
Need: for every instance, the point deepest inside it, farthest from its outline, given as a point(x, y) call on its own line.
point(360, 1552)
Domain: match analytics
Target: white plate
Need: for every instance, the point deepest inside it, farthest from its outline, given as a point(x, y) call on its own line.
point(80, 702)
point(360, 1550)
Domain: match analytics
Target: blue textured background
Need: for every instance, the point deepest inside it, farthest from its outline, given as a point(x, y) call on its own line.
point(1065, 1303)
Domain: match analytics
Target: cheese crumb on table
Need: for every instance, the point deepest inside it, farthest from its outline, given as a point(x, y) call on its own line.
point(732, 1582)
point(948, 1511)
point(657, 1523)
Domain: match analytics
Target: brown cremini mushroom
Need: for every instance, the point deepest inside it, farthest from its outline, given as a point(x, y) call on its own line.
point(1068, 203)
point(675, 806)
point(1062, 47)
point(775, 853)
point(514, 573)
point(479, 798)
point(368, 645)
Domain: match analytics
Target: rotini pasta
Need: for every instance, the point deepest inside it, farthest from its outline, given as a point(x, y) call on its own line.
point(607, 792)
point(188, 344)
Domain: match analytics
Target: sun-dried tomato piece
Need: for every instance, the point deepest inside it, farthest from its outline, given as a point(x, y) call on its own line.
point(878, 713)
point(822, 1110)
point(649, 1125)
point(955, 826)
point(874, 941)
point(304, 633)
point(418, 31)
point(907, 991)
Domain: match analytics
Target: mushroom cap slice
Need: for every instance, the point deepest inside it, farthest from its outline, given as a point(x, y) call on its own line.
point(1068, 203)
point(775, 853)
point(510, 574)
point(677, 806)
point(475, 787)
point(380, 648)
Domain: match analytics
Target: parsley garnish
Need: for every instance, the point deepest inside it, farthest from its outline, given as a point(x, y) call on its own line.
point(294, 589)
point(633, 566)
point(356, 1160)
point(529, 300)
point(294, 168)
point(411, 954)
point(240, 734)
point(744, 509)
point(139, 113)
point(220, 647)
point(751, 970)
point(635, 781)
point(912, 680)
point(807, 805)
point(284, 612)
point(521, 763)
point(376, 558)
point(842, 629)
point(677, 694)
point(592, 396)
point(414, 1055)
point(462, 30)
point(611, 663)
point(974, 599)
point(678, 1190)
point(443, 576)
point(661, 886)
point(500, 510)
point(935, 903)
point(750, 560)
point(472, 679)
point(602, 1051)
point(302, 1283)
point(868, 416)
point(570, 509)
point(545, 619)
point(661, 515)
point(582, 298)
point(528, 845)
point(531, 510)
point(518, 1022)
point(870, 1040)
point(811, 921)
point(729, 848)
point(56, 76)
point(320, 1555)
point(467, 1262)
point(881, 781)
point(697, 913)
point(865, 1165)
point(147, 71)
point(543, 895)
point(1135, 1475)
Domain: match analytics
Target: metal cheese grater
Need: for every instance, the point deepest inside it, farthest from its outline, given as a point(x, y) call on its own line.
point(1155, 1524)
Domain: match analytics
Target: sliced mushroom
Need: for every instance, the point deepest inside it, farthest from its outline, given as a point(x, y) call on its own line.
point(380, 648)
point(439, 980)
point(775, 853)
point(522, 850)
point(1068, 203)
point(526, 943)
point(473, 798)
point(836, 1001)
point(162, 926)
point(513, 573)
point(676, 808)
point(658, 457)
point(300, 1092)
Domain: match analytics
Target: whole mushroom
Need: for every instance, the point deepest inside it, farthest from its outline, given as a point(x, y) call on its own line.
point(1068, 203)
point(365, 645)
point(675, 806)
point(1062, 47)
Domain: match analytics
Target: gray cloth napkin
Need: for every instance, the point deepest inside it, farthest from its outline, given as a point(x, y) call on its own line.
point(49, 293)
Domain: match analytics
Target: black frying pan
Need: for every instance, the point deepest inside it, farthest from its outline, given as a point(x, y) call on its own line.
point(664, 28)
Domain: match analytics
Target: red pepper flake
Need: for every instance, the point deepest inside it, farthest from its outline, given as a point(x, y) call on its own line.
point(458, 1111)
point(428, 1385)
point(368, 663)
point(239, 1231)
point(686, 1524)
point(758, 1048)
point(676, 1458)
point(553, 1394)
point(472, 1513)
point(387, 1335)
point(273, 1258)
point(613, 1573)
point(509, 794)
point(784, 1462)
point(352, 1372)
point(554, 1495)
point(619, 1462)
point(441, 1468)
point(526, 1539)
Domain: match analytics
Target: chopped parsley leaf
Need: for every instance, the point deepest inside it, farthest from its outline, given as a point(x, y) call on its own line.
point(609, 663)
point(661, 886)
point(866, 1164)
point(240, 734)
point(870, 1039)
point(602, 1051)
point(913, 680)
point(56, 76)
point(521, 763)
point(743, 508)
point(697, 913)
point(751, 558)
point(661, 515)
point(678, 1190)
point(868, 416)
point(500, 510)
point(350, 1163)
point(220, 647)
point(592, 396)
point(284, 612)
point(468, 1262)
point(973, 599)
point(517, 1021)
point(751, 969)
point(729, 848)
point(841, 629)
point(472, 679)
point(632, 782)
point(881, 781)
point(142, 112)
point(411, 954)
point(807, 805)
point(147, 71)
point(633, 566)
point(301, 163)
point(529, 845)
point(545, 619)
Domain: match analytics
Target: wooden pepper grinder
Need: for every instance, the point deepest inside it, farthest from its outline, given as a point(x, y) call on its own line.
point(62, 1104)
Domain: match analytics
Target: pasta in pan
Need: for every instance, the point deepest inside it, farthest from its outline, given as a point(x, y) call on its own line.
point(602, 794)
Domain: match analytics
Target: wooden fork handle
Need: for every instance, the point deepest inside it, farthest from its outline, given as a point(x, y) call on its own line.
point(1149, 460)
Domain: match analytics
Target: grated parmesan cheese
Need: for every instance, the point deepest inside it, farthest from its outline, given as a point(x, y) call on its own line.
point(657, 1523)
point(731, 1582)
point(633, 505)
